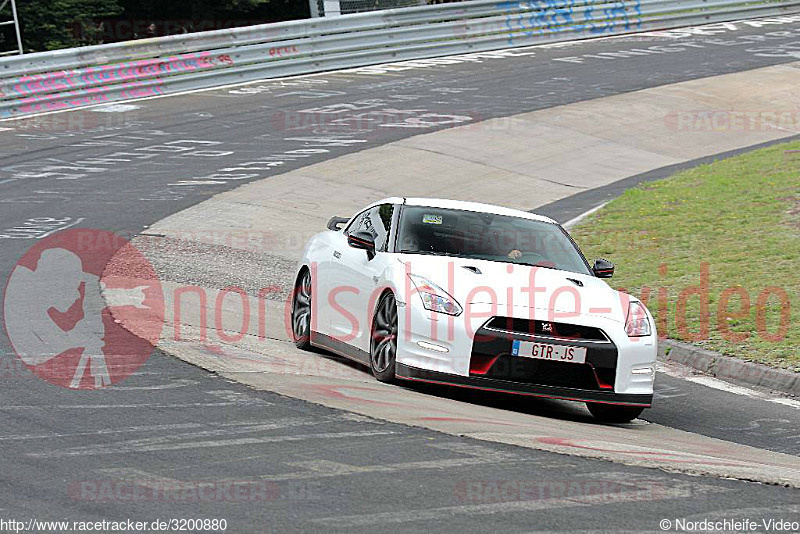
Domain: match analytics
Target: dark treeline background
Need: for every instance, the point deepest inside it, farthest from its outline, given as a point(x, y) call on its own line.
point(53, 24)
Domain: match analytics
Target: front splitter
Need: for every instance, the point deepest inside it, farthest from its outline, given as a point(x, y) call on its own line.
point(406, 372)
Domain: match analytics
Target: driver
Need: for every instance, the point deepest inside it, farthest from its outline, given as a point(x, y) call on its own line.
point(409, 243)
point(516, 254)
point(493, 243)
point(526, 242)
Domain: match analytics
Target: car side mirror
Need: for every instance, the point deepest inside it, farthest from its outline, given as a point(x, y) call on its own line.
point(364, 241)
point(603, 268)
point(335, 223)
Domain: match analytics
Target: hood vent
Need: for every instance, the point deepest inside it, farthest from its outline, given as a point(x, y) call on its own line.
point(472, 269)
point(576, 282)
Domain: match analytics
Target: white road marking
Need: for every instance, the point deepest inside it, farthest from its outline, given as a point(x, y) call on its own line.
point(572, 222)
point(787, 402)
point(711, 382)
point(197, 182)
point(115, 108)
point(476, 455)
point(151, 428)
point(161, 428)
point(179, 383)
point(110, 406)
point(158, 447)
point(77, 221)
point(324, 469)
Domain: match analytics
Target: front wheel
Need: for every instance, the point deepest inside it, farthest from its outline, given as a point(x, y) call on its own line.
point(613, 413)
point(383, 348)
point(301, 312)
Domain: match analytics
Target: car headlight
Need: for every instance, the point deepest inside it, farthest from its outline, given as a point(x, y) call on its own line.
point(637, 324)
point(434, 298)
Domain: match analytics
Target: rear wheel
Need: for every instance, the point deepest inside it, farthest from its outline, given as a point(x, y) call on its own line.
point(383, 348)
point(613, 413)
point(301, 312)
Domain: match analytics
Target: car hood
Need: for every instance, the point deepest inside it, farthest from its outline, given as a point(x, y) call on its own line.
point(508, 285)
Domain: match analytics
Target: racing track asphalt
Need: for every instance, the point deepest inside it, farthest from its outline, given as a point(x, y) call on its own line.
point(172, 421)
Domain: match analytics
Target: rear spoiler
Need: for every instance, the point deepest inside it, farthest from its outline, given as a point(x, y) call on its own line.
point(335, 223)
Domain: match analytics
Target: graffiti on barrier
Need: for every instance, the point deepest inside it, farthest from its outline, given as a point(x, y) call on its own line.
point(70, 88)
point(553, 16)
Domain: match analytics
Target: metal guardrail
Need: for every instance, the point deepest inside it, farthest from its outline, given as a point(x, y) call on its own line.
point(65, 79)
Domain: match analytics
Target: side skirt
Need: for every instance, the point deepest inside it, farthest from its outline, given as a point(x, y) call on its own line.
point(405, 372)
point(340, 348)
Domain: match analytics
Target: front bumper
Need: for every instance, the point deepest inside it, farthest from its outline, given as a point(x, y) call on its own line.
point(475, 352)
point(405, 372)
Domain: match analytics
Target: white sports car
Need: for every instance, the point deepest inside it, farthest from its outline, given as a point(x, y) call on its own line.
point(476, 296)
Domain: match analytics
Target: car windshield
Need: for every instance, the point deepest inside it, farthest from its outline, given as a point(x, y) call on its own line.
point(486, 236)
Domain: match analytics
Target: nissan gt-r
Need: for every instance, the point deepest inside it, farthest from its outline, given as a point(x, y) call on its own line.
point(476, 296)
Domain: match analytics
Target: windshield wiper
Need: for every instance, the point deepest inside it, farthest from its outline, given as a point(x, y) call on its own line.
point(431, 253)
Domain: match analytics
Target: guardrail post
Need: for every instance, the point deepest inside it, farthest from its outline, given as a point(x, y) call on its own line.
point(16, 26)
point(332, 8)
point(313, 6)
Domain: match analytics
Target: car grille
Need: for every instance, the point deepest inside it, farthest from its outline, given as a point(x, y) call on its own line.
point(492, 355)
point(545, 328)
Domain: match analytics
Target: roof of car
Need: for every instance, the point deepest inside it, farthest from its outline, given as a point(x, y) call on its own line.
point(466, 206)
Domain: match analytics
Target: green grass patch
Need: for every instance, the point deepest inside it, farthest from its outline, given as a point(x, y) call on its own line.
point(738, 220)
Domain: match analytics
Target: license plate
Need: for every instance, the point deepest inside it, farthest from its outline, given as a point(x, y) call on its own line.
point(544, 351)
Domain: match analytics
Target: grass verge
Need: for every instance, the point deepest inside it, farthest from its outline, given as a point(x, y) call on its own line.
point(715, 253)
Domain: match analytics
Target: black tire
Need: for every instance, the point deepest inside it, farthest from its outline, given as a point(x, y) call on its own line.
point(301, 311)
point(383, 345)
point(613, 413)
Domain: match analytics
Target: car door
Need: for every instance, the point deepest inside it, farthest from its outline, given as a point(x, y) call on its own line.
point(352, 301)
point(324, 273)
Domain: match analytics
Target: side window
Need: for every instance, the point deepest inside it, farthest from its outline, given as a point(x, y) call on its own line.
point(377, 221)
point(357, 224)
point(383, 225)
